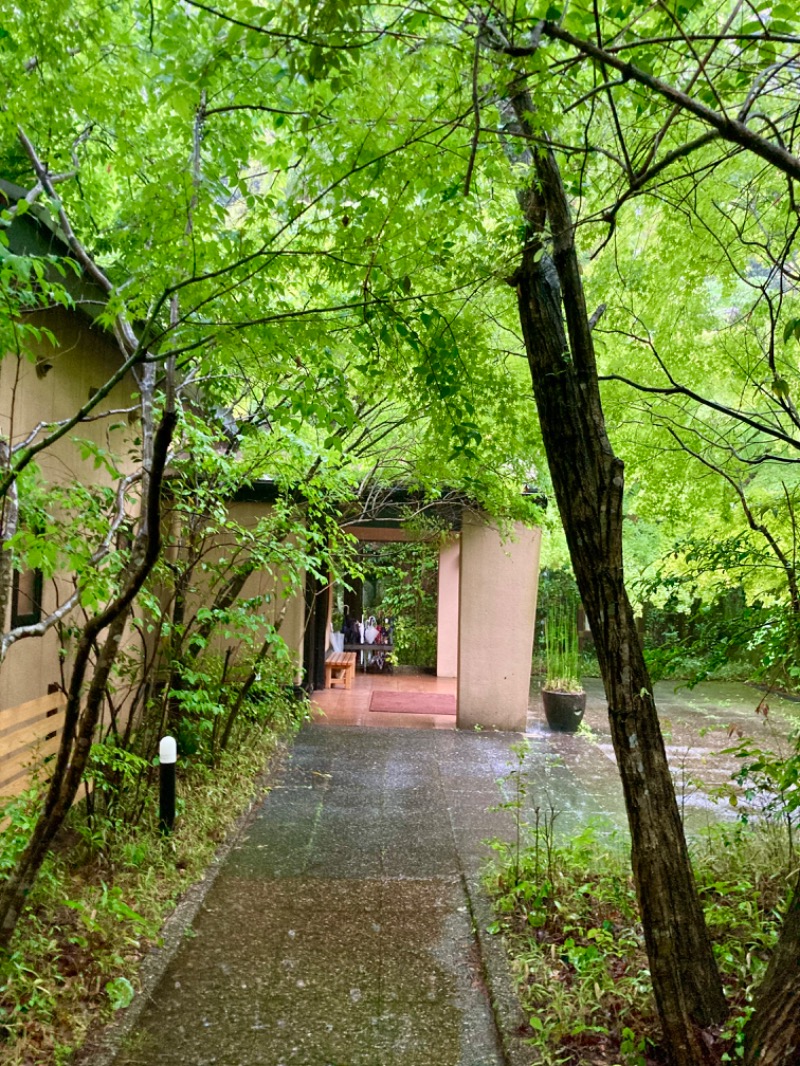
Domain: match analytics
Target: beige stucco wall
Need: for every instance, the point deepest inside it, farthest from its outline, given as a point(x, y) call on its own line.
point(286, 606)
point(85, 358)
point(447, 609)
point(499, 580)
point(30, 666)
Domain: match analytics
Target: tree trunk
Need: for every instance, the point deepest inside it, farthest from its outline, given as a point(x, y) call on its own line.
point(772, 1035)
point(315, 637)
point(588, 482)
point(9, 522)
point(80, 723)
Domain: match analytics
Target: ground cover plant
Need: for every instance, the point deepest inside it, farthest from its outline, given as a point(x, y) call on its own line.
point(567, 909)
point(108, 885)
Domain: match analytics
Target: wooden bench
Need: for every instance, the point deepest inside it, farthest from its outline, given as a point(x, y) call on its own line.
point(339, 668)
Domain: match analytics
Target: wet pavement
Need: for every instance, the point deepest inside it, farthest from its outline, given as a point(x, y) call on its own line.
point(698, 725)
point(339, 931)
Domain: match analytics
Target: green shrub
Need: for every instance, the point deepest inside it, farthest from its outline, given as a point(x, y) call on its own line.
point(569, 915)
point(101, 899)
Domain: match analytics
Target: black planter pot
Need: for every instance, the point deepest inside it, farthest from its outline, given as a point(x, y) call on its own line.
point(564, 710)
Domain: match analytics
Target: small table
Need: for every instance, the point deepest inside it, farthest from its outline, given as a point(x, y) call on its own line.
point(369, 650)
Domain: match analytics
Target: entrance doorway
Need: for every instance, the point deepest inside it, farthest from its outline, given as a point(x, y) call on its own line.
point(487, 584)
point(388, 613)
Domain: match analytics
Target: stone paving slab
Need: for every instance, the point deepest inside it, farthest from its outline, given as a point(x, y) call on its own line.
point(339, 930)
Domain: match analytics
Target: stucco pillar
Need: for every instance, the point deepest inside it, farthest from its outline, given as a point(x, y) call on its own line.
point(447, 609)
point(497, 613)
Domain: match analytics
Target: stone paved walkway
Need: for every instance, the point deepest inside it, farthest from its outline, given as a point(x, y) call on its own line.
point(338, 932)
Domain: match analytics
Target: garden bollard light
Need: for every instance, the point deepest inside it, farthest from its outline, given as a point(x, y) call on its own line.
point(168, 756)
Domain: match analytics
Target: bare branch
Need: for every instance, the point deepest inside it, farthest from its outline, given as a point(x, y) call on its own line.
point(476, 110)
point(728, 128)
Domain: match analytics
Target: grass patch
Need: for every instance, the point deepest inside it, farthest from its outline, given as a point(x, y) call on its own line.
point(569, 916)
point(99, 904)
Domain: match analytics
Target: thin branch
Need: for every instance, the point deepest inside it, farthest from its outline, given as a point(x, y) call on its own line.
point(728, 128)
point(757, 527)
point(254, 107)
point(681, 390)
point(476, 110)
point(39, 628)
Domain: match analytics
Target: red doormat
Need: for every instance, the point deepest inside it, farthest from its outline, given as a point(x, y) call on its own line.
point(412, 702)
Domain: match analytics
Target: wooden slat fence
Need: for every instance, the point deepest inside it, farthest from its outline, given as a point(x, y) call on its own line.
point(29, 736)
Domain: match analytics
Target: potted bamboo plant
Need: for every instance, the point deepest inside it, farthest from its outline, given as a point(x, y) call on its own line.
point(563, 697)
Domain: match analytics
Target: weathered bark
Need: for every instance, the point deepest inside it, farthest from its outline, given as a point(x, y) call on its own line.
point(315, 638)
point(84, 706)
point(588, 482)
point(9, 521)
point(772, 1035)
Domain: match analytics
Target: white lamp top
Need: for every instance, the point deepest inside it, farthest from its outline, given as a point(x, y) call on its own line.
point(168, 750)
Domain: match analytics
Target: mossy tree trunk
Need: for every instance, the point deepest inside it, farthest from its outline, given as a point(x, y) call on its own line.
point(85, 702)
point(588, 480)
point(772, 1035)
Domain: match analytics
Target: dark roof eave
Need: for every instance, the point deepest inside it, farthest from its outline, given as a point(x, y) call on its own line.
point(35, 233)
